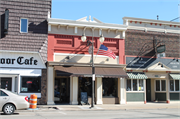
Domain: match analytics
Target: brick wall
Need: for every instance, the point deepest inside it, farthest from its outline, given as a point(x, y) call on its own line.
point(140, 43)
point(36, 39)
point(43, 100)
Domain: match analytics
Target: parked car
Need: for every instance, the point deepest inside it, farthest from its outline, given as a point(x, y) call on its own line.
point(9, 102)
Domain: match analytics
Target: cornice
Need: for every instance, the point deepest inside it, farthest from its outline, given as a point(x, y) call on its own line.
point(151, 21)
point(52, 21)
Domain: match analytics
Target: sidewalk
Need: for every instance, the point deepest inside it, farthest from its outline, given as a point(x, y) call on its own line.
point(129, 106)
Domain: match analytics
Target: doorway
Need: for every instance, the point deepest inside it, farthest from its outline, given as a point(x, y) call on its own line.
point(6, 83)
point(148, 90)
point(62, 90)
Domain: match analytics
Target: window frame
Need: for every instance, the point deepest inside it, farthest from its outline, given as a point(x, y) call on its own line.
point(137, 85)
point(30, 76)
point(160, 85)
point(174, 86)
point(27, 25)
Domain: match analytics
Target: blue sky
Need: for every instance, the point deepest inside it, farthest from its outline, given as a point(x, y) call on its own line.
point(112, 11)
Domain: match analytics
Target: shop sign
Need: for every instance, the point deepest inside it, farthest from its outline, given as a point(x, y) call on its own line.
point(21, 59)
point(161, 49)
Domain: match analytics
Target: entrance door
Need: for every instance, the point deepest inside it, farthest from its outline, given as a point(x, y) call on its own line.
point(62, 90)
point(6, 83)
point(148, 90)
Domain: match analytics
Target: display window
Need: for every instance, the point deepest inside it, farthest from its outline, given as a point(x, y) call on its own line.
point(135, 85)
point(110, 86)
point(30, 84)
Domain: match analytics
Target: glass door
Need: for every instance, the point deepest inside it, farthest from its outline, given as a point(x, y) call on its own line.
point(6, 83)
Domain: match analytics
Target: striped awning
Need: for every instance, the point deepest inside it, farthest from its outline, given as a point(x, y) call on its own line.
point(175, 76)
point(134, 75)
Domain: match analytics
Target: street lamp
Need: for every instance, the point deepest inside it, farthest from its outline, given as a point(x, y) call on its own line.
point(83, 38)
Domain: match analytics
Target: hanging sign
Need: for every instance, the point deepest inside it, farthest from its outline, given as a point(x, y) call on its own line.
point(161, 49)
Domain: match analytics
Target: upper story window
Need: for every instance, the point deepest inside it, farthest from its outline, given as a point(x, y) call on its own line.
point(24, 25)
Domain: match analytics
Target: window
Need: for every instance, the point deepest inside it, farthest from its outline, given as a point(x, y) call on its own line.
point(171, 85)
point(160, 85)
point(174, 85)
point(135, 85)
point(141, 87)
point(24, 25)
point(3, 93)
point(110, 87)
point(157, 85)
point(163, 85)
point(128, 84)
point(30, 84)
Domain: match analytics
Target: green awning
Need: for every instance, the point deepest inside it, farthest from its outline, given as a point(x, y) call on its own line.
point(175, 76)
point(135, 75)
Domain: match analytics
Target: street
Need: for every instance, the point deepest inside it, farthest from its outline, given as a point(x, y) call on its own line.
point(98, 114)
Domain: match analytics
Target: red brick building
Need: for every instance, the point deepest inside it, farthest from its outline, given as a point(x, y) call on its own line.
point(152, 58)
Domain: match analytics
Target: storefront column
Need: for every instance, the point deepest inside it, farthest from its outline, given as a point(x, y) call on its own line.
point(73, 90)
point(144, 91)
point(122, 95)
point(50, 86)
point(98, 84)
point(167, 92)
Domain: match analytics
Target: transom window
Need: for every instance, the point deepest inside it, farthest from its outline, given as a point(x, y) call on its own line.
point(160, 85)
point(135, 85)
point(24, 25)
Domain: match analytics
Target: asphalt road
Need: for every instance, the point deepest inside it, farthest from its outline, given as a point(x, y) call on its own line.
point(90, 114)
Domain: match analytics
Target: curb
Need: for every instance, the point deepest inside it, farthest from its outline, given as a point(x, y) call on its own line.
point(79, 109)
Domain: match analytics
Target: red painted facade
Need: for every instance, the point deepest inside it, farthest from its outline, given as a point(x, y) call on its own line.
point(58, 43)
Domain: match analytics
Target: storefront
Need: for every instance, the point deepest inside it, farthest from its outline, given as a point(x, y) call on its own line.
point(21, 72)
point(70, 61)
point(156, 81)
point(76, 78)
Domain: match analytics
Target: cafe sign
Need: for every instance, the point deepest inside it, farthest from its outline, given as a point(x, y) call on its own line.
point(21, 59)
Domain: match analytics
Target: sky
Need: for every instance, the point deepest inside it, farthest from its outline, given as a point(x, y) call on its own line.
point(112, 11)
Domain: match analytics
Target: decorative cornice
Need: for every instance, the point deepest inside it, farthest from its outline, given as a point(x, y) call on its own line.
point(151, 21)
point(73, 23)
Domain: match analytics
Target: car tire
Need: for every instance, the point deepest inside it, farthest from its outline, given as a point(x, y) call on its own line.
point(8, 109)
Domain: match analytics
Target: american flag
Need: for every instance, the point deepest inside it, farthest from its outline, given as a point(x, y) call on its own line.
point(103, 50)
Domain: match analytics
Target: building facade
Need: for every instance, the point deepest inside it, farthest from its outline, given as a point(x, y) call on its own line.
point(69, 66)
point(152, 58)
point(23, 46)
